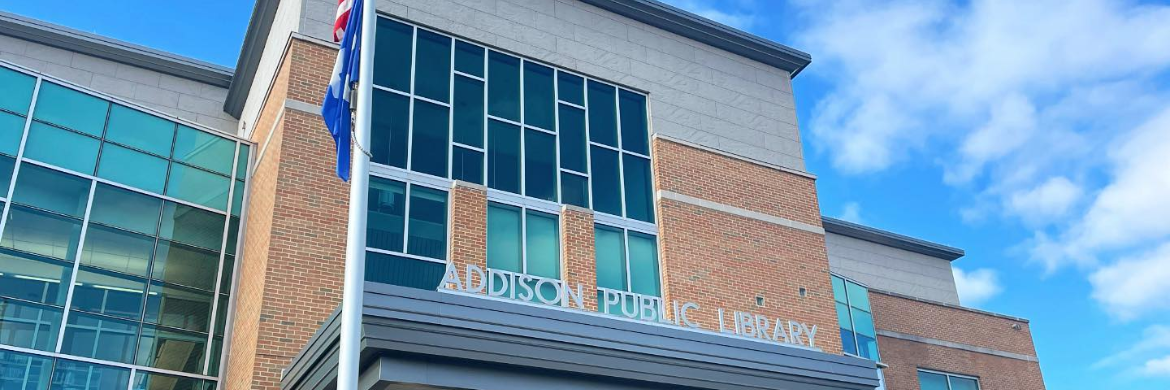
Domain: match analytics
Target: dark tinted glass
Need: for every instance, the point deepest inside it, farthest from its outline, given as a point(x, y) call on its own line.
point(41, 233)
point(607, 185)
point(571, 88)
point(428, 151)
point(639, 197)
point(151, 381)
point(432, 74)
point(393, 54)
point(51, 190)
point(504, 86)
point(68, 108)
point(403, 271)
point(385, 219)
point(242, 162)
point(428, 223)
point(503, 156)
point(71, 375)
point(538, 95)
point(185, 265)
point(573, 142)
point(7, 165)
point(177, 307)
point(62, 148)
point(574, 190)
point(104, 292)
point(198, 186)
point(117, 250)
point(602, 114)
point(18, 88)
point(388, 133)
point(33, 278)
point(468, 126)
point(132, 168)
point(192, 226)
point(28, 325)
point(233, 236)
point(25, 371)
point(140, 130)
point(643, 259)
point(11, 131)
point(467, 165)
point(171, 350)
point(205, 150)
point(238, 197)
point(125, 209)
point(634, 133)
point(99, 337)
point(540, 165)
point(468, 58)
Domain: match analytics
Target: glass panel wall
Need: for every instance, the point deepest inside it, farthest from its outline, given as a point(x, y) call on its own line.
point(117, 239)
point(854, 318)
point(627, 262)
point(406, 233)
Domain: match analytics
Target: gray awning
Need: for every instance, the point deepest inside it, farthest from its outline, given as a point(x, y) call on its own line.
point(417, 339)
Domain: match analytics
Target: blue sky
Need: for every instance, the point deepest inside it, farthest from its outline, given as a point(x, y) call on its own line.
point(1035, 135)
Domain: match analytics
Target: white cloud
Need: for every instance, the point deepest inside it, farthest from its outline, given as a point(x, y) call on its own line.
point(1155, 339)
point(976, 286)
point(1134, 286)
point(851, 212)
point(1045, 202)
point(740, 20)
point(1157, 367)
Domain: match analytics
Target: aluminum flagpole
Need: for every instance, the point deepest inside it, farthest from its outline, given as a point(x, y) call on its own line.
point(355, 243)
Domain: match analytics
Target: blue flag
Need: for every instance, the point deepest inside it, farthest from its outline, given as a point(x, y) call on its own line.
point(336, 107)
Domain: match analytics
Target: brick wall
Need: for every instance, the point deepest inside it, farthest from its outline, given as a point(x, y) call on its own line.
point(469, 235)
point(577, 252)
point(955, 325)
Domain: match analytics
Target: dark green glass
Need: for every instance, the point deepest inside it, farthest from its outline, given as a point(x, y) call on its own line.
point(432, 70)
point(171, 349)
point(62, 148)
point(428, 223)
point(185, 265)
point(639, 196)
point(644, 277)
point(225, 278)
point(242, 162)
point(542, 240)
point(610, 250)
point(213, 366)
point(602, 114)
point(72, 109)
point(607, 185)
point(428, 151)
point(635, 136)
point(393, 54)
point(467, 165)
point(205, 150)
point(140, 130)
point(403, 271)
point(574, 190)
point(504, 250)
point(100, 337)
point(117, 250)
point(571, 88)
point(7, 165)
point(30, 371)
point(238, 198)
point(41, 233)
point(11, 131)
point(468, 115)
point(390, 129)
point(539, 97)
point(192, 226)
point(233, 236)
point(125, 209)
point(932, 381)
point(135, 169)
point(198, 186)
point(51, 190)
point(573, 141)
point(540, 165)
point(504, 86)
point(152, 381)
point(33, 278)
point(18, 89)
point(178, 307)
point(29, 325)
point(503, 156)
point(386, 216)
point(105, 292)
point(71, 375)
point(468, 58)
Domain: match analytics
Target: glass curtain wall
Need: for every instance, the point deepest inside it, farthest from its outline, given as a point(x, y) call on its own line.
point(854, 318)
point(118, 238)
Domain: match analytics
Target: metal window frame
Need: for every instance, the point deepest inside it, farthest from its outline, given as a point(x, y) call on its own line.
point(949, 375)
point(524, 210)
point(408, 180)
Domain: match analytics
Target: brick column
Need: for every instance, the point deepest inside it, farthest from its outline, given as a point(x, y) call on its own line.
point(577, 260)
point(469, 228)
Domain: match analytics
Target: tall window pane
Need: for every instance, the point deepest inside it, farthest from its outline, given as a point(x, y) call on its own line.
point(432, 71)
point(572, 137)
point(185, 265)
point(538, 96)
point(393, 51)
point(540, 165)
point(542, 238)
point(7, 165)
point(428, 153)
point(639, 196)
point(51, 190)
point(62, 148)
point(634, 132)
point(33, 278)
point(574, 189)
point(607, 185)
point(467, 165)
point(504, 250)
point(242, 162)
point(72, 109)
point(428, 223)
point(571, 88)
point(41, 233)
point(125, 209)
point(468, 58)
point(468, 125)
point(133, 168)
point(386, 217)
point(205, 150)
point(11, 130)
point(140, 130)
point(644, 277)
point(29, 325)
point(602, 114)
point(18, 89)
point(503, 156)
point(390, 128)
point(611, 257)
point(504, 86)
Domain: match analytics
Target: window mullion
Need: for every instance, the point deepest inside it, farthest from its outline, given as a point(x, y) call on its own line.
point(19, 156)
point(76, 265)
point(451, 114)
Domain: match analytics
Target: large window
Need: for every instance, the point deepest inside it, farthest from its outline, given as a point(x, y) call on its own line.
point(455, 110)
point(118, 238)
point(627, 270)
point(935, 380)
point(524, 242)
point(855, 319)
point(406, 233)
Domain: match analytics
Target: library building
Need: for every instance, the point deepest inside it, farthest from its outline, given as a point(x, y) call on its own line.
point(563, 194)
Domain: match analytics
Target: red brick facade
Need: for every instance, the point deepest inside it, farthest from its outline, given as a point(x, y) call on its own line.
point(469, 237)
point(937, 322)
point(577, 252)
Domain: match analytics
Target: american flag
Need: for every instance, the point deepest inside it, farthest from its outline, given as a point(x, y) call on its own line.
point(343, 7)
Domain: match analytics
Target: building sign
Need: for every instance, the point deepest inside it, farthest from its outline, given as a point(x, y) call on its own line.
point(530, 288)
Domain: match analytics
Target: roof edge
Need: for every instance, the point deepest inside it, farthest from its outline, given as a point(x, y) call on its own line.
point(878, 236)
point(107, 48)
point(256, 38)
point(689, 25)
point(951, 306)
